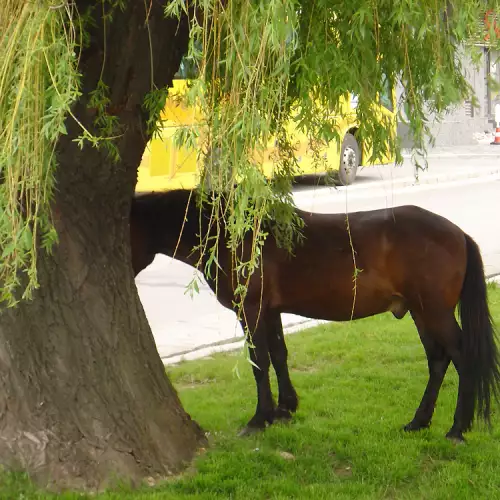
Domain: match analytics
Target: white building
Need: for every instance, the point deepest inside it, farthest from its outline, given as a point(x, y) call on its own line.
point(463, 124)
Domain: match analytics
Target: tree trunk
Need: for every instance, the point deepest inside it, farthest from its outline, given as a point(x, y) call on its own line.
point(84, 398)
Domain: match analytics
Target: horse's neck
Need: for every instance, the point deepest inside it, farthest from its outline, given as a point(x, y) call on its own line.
point(183, 251)
point(183, 246)
point(179, 238)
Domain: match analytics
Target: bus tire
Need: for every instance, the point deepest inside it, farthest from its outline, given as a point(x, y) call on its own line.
point(350, 158)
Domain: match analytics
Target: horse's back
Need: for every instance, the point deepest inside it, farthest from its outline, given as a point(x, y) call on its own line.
point(422, 249)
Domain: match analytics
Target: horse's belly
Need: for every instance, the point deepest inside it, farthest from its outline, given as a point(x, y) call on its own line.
point(339, 299)
point(336, 311)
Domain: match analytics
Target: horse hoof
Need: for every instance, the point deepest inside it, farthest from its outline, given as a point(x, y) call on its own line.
point(456, 437)
point(282, 414)
point(414, 426)
point(249, 430)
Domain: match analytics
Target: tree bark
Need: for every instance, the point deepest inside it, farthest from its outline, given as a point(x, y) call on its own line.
point(84, 398)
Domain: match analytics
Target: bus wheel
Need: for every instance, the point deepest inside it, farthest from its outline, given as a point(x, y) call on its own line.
point(349, 160)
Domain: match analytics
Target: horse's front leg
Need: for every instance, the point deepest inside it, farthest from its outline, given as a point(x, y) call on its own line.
point(287, 400)
point(259, 355)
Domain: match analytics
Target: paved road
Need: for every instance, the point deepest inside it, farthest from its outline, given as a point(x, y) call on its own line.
point(472, 200)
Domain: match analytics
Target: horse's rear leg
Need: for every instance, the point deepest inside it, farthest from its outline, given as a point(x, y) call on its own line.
point(259, 355)
point(287, 400)
point(437, 361)
point(446, 332)
point(451, 337)
point(464, 411)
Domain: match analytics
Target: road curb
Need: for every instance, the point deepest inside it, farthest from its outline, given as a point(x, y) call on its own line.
point(233, 343)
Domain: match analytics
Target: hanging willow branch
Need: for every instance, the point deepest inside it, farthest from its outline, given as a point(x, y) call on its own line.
point(263, 65)
point(243, 51)
point(38, 84)
point(266, 64)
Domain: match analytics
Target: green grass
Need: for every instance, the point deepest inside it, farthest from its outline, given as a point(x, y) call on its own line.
point(358, 384)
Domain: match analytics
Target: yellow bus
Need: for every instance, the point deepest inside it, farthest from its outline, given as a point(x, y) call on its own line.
point(164, 166)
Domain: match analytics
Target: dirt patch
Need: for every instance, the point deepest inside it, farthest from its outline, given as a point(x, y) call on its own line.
point(343, 471)
point(286, 455)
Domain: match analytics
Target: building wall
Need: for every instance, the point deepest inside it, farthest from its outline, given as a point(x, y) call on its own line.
point(460, 124)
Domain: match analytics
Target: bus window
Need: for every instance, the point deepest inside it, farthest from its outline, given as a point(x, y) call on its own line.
point(187, 70)
point(385, 98)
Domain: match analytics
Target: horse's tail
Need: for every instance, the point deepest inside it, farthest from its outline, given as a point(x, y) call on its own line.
point(479, 349)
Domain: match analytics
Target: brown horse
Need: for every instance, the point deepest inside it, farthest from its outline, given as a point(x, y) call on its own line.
point(411, 260)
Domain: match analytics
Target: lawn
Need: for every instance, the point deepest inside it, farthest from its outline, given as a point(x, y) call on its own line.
point(358, 383)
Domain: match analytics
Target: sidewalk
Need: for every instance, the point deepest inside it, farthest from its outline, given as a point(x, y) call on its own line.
point(188, 328)
point(481, 159)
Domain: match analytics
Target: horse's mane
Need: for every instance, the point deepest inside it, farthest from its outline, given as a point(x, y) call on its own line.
point(162, 197)
point(176, 205)
point(155, 201)
point(172, 211)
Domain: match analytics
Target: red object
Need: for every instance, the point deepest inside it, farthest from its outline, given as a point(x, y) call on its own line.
point(496, 142)
point(489, 17)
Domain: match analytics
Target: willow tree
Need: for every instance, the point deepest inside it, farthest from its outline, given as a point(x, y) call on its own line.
point(83, 393)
